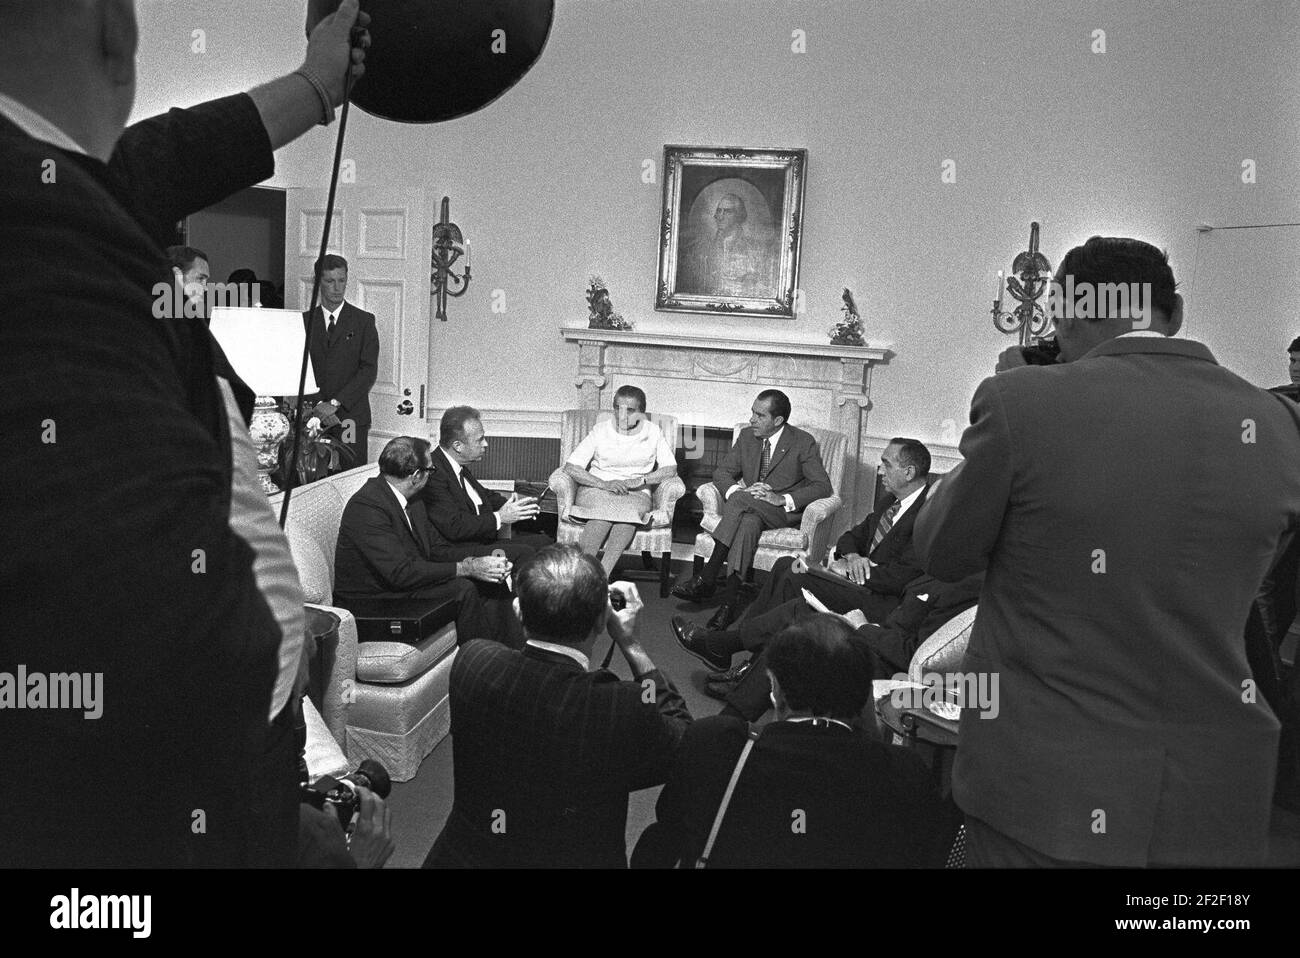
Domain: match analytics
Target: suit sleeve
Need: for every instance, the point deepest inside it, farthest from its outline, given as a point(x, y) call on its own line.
point(961, 520)
point(856, 539)
point(449, 518)
point(183, 161)
point(358, 387)
point(661, 731)
point(372, 530)
point(814, 484)
point(730, 471)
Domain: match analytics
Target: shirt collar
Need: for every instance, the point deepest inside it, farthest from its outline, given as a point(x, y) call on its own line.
point(568, 650)
point(1142, 332)
point(37, 126)
point(906, 504)
point(451, 461)
point(401, 499)
point(775, 438)
point(333, 312)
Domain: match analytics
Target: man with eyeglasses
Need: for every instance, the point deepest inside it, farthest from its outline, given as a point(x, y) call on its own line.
point(384, 552)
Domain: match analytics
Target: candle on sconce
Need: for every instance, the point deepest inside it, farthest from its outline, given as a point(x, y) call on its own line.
point(467, 254)
point(998, 289)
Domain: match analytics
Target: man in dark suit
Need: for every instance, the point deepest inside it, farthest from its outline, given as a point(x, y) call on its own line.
point(345, 357)
point(465, 517)
point(546, 750)
point(927, 604)
point(771, 473)
point(383, 550)
point(818, 788)
point(1127, 502)
point(168, 579)
point(875, 562)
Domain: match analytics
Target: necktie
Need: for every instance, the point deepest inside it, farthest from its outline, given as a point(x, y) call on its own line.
point(884, 525)
point(765, 459)
point(464, 484)
point(329, 324)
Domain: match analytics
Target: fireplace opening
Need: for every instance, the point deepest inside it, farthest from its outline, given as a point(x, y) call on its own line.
point(699, 451)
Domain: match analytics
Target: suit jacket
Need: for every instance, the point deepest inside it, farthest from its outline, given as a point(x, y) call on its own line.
point(1127, 506)
point(346, 362)
point(796, 466)
point(927, 604)
point(865, 804)
point(453, 516)
point(378, 554)
point(895, 557)
point(143, 581)
point(545, 756)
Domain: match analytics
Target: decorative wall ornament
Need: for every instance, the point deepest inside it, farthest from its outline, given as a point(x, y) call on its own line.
point(1029, 319)
point(848, 331)
point(730, 232)
point(602, 315)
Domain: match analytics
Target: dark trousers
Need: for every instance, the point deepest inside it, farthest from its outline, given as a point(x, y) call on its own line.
point(743, 520)
point(838, 596)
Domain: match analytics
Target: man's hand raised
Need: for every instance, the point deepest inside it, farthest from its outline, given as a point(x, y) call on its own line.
point(330, 48)
point(372, 839)
point(517, 508)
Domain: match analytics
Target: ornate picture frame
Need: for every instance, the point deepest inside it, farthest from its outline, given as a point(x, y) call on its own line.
point(731, 230)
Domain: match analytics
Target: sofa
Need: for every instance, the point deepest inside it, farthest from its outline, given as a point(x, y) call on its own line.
point(383, 700)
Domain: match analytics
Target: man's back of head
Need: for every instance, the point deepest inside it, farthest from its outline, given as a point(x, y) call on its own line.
point(822, 668)
point(72, 62)
point(563, 594)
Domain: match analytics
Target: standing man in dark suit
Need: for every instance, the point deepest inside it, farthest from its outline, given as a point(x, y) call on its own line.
point(547, 750)
point(875, 562)
point(771, 473)
point(466, 517)
point(383, 547)
point(1127, 502)
point(345, 358)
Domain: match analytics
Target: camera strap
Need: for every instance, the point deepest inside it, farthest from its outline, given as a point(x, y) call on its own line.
point(703, 860)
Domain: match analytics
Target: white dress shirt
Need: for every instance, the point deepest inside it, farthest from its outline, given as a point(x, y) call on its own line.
point(474, 497)
point(36, 126)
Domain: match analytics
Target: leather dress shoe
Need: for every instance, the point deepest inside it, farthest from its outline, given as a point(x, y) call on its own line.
point(732, 674)
point(722, 618)
point(695, 589)
point(692, 638)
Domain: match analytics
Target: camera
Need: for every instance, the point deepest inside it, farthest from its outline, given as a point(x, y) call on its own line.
point(617, 601)
point(341, 794)
point(1043, 353)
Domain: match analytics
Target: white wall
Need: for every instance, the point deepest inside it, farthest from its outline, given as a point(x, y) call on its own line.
point(1145, 140)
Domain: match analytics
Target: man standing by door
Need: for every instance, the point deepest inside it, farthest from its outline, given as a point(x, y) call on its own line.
point(345, 358)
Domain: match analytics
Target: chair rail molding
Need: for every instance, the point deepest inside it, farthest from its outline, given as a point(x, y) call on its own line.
point(842, 373)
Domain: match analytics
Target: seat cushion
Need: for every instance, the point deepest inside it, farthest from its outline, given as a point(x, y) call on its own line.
point(391, 663)
point(787, 538)
point(944, 650)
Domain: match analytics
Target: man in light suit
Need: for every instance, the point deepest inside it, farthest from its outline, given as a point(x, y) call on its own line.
point(1127, 501)
point(771, 473)
point(546, 750)
point(875, 561)
point(345, 358)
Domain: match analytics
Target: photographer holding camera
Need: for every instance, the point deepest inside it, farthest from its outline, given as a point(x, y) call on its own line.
point(1126, 500)
point(546, 750)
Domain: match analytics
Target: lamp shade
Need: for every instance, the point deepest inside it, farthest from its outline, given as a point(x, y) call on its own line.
point(264, 347)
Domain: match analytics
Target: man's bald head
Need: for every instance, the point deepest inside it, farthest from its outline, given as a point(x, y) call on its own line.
point(73, 62)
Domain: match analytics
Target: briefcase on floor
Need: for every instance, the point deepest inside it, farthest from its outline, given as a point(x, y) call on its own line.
point(401, 620)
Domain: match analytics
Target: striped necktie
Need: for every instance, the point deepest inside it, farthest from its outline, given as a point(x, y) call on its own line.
point(765, 459)
point(885, 524)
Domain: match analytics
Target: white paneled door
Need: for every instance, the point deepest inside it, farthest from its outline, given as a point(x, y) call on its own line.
point(383, 234)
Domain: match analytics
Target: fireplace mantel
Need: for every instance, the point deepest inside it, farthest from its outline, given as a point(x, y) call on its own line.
point(843, 373)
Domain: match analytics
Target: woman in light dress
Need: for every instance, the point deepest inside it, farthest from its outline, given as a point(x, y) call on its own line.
point(614, 466)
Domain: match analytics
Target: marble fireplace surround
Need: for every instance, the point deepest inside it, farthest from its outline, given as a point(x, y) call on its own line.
point(841, 373)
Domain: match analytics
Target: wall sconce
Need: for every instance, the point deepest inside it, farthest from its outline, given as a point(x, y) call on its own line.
point(448, 245)
point(1035, 273)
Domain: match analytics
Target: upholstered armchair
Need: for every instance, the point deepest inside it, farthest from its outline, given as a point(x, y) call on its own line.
point(811, 540)
point(658, 538)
